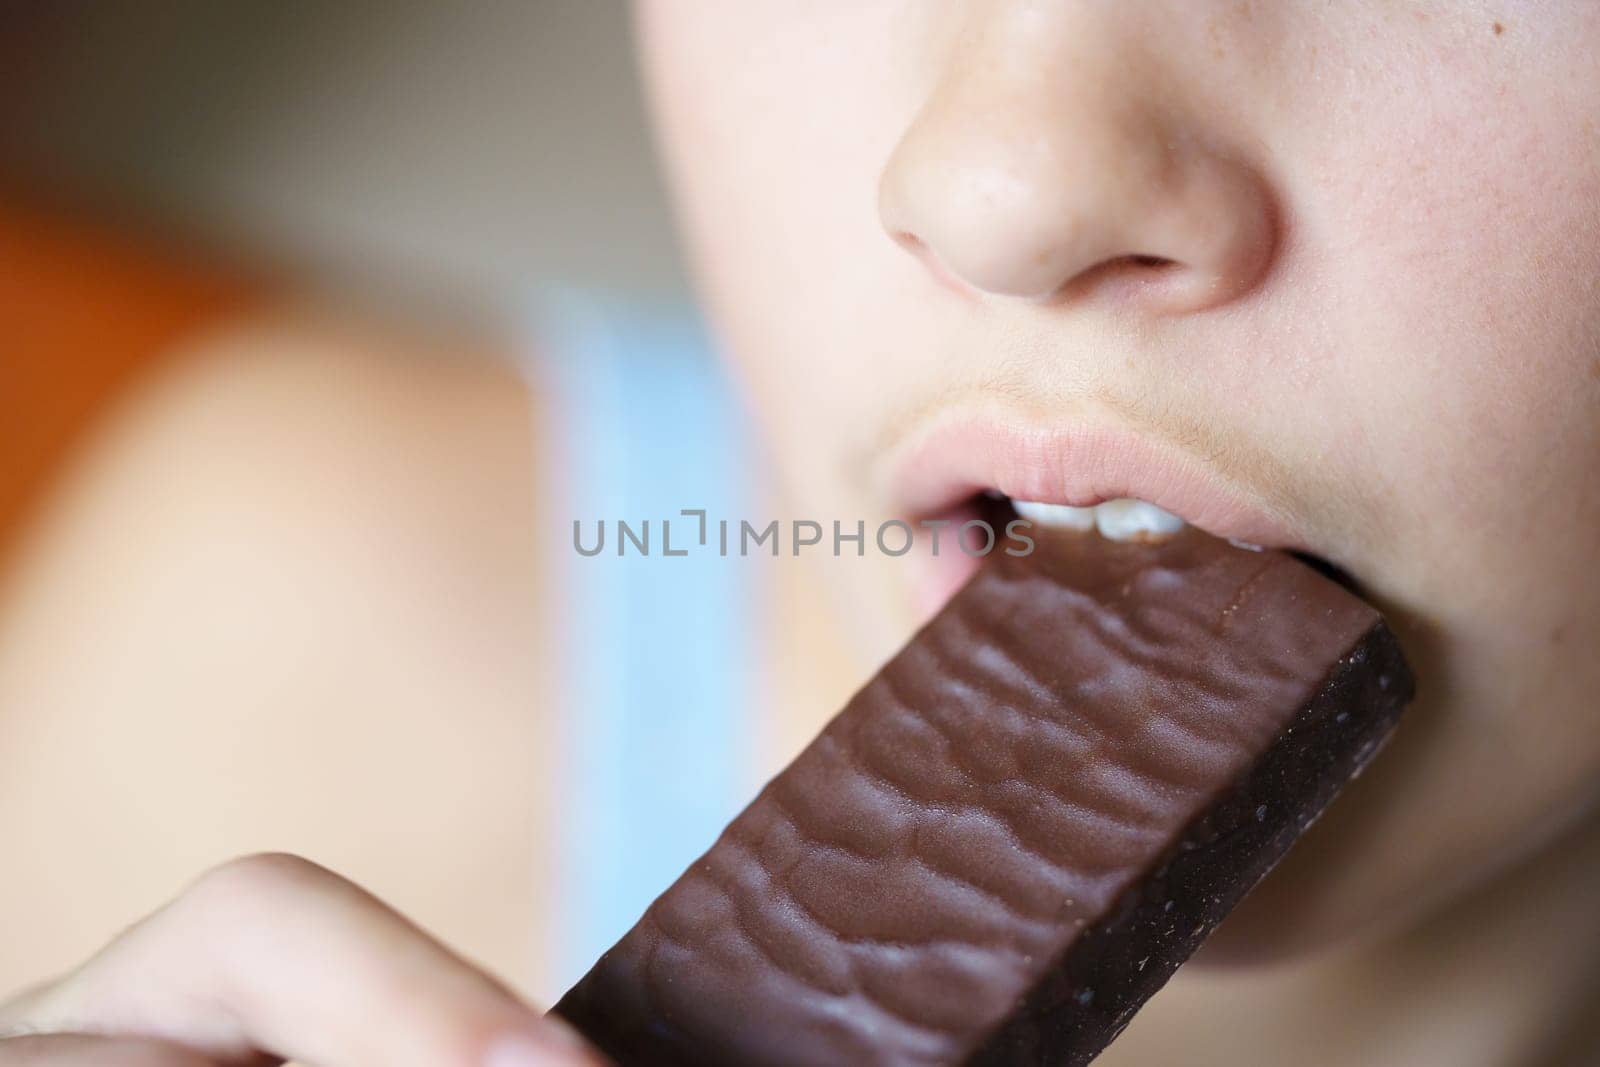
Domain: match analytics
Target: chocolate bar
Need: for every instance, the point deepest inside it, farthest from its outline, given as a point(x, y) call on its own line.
point(1014, 834)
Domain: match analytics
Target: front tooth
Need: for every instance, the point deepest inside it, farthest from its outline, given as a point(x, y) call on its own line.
point(1055, 516)
point(1134, 520)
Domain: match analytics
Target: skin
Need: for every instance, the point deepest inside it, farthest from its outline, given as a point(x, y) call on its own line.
point(272, 952)
point(1377, 319)
point(318, 637)
point(1372, 316)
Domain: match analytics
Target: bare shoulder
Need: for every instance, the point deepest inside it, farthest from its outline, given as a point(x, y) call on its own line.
point(286, 600)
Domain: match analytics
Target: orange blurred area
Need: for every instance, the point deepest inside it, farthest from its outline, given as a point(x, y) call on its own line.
point(267, 564)
point(274, 568)
point(84, 309)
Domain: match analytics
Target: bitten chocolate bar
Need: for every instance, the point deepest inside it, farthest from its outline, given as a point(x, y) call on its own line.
point(1016, 832)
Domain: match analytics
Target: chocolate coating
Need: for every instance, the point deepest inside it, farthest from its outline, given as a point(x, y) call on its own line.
point(1010, 838)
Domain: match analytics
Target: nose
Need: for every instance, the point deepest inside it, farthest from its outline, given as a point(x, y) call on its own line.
point(1037, 174)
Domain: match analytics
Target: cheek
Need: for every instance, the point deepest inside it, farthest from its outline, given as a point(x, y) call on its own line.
point(1453, 250)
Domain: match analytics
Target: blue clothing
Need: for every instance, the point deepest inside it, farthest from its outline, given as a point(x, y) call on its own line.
point(656, 650)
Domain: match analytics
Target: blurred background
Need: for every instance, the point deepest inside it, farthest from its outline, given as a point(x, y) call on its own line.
point(319, 324)
point(461, 150)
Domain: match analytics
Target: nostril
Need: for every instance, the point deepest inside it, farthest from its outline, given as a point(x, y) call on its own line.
point(1136, 272)
point(1150, 262)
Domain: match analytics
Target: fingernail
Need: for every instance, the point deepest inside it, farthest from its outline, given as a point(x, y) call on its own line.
point(520, 1052)
point(553, 1043)
point(558, 1030)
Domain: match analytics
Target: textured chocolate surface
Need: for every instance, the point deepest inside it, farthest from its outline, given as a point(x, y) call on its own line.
point(1022, 825)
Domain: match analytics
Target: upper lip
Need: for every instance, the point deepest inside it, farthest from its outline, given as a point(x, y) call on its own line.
point(1082, 461)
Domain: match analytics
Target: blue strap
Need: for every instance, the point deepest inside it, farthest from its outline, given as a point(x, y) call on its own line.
point(656, 650)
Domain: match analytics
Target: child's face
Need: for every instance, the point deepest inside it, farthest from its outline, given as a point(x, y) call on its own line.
point(1371, 330)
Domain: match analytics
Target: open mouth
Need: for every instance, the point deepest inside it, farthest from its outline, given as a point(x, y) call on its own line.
point(1085, 474)
point(1125, 519)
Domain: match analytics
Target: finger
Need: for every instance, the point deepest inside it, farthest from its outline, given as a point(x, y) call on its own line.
point(85, 1050)
point(275, 954)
